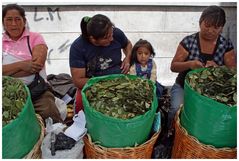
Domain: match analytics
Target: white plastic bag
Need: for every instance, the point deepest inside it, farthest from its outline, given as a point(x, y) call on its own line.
point(62, 107)
point(77, 129)
point(75, 152)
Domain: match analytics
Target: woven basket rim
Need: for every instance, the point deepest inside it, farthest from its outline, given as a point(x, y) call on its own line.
point(36, 150)
point(155, 135)
point(177, 121)
point(141, 151)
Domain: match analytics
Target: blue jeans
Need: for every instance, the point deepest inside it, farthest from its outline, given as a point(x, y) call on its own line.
point(159, 89)
point(177, 98)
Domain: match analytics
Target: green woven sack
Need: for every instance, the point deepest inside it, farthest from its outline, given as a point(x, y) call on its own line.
point(19, 136)
point(113, 132)
point(211, 122)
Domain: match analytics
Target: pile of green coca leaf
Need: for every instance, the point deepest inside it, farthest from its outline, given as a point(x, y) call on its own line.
point(121, 97)
point(219, 83)
point(14, 97)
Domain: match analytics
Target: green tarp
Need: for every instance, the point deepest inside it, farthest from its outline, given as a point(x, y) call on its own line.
point(113, 132)
point(211, 122)
point(19, 136)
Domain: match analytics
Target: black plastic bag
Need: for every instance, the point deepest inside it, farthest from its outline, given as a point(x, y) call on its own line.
point(37, 87)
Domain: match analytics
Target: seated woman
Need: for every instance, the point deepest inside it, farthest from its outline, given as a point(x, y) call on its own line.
point(206, 48)
point(97, 52)
point(24, 54)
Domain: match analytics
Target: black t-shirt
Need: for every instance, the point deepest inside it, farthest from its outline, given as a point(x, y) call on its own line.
point(98, 60)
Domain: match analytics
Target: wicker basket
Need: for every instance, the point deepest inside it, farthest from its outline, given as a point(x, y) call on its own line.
point(187, 146)
point(35, 153)
point(94, 151)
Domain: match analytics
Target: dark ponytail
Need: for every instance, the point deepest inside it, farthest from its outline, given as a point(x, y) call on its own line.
point(84, 21)
point(97, 26)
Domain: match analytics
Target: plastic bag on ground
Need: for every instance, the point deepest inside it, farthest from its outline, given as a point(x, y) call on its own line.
point(76, 152)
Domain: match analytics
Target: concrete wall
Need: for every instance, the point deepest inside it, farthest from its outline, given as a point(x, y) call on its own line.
point(164, 25)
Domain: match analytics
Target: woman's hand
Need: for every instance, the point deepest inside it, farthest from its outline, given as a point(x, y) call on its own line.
point(126, 62)
point(36, 67)
point(125, 66)
point(31, 66)
point(194, 64)
point(39, 54)
point(211, 64)
point(22, 68)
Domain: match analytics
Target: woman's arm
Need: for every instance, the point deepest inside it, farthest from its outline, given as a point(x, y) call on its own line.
point(154, 72)
point(27, 67)
point(78, 77)
point(17, 69)
point(179, 64)
point(230, 59)
point(126, 62)
point(39, 54)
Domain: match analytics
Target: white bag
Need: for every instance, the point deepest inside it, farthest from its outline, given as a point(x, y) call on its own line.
point(75, 152)
point(62, 107)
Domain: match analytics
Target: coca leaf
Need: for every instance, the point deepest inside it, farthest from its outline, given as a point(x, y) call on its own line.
point(14, 97)
point(218, 83)
point(121, 97)
point(235, 97)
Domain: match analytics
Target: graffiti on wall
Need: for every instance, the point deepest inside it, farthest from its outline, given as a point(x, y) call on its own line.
point(62, 48)
point(53, 15)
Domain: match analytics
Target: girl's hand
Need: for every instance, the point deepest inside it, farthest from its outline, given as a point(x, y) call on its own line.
point(211, 64)
point(194, 64)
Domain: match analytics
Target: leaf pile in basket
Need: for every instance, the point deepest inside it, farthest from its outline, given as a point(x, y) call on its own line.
point(14, 97)
point(121, 97)
point(219, 83)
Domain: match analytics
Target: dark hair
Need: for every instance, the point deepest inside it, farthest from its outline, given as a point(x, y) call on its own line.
point(141, 43)
point(13, 7)
point(97, 26)
point(213, 16)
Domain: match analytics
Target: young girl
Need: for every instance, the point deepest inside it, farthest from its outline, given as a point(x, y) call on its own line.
point(143, 65)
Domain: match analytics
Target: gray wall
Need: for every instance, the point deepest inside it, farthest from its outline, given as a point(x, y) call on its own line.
point(163, 24)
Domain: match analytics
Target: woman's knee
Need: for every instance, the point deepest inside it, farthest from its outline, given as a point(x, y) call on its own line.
point(177, 96)
point(46, 107)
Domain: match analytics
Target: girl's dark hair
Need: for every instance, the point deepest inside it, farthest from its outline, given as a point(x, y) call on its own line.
point(97, 26)
point(11, 7)
point(140, 43)
point(213, 16)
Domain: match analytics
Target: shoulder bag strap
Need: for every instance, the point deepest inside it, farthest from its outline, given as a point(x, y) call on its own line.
point(28, 44)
